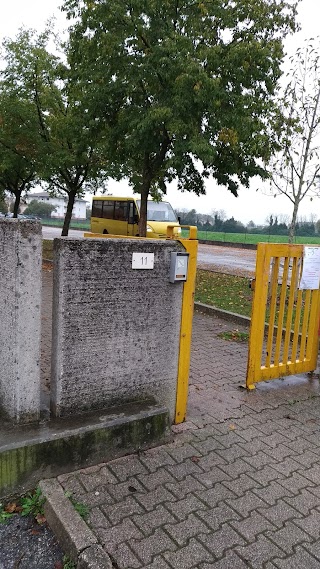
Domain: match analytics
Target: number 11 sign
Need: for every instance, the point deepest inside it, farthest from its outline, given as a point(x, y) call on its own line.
point(142, 260)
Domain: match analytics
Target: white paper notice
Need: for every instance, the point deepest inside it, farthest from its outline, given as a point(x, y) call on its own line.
point(311, 268)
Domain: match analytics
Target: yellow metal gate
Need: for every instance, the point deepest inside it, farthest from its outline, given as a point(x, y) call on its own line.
point(284, 323)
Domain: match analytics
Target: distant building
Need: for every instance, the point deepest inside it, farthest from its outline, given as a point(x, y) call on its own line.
point(60, 203)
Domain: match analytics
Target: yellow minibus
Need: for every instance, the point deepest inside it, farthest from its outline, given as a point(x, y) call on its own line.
point(120, 216)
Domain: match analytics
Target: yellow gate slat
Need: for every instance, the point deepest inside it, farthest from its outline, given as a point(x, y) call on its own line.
point(284, 322)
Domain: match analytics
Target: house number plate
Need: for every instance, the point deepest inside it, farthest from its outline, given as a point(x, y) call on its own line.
point(142, 260)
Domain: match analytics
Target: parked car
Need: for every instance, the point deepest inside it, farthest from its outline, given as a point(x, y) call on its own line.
point(29, 216)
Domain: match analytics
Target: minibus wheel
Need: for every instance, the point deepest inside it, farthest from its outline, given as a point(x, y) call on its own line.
point(105, 232)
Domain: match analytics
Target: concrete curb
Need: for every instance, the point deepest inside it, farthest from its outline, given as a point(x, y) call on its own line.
point(225, 314)
point(71, 531)
point(229, 244)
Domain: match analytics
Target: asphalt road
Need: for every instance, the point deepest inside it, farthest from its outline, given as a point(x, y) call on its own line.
point(211, 257)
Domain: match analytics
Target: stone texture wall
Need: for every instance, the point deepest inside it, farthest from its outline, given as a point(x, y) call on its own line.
point(20, 319)
point(115, 330)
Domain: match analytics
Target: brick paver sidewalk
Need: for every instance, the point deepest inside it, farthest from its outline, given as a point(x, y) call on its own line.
point(239, 485)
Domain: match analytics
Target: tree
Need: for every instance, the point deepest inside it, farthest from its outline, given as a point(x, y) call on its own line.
point(68, 152)
point(3, 203)
point(18, 146)
point(41, 209)
point(295, 169)
point(190, 85)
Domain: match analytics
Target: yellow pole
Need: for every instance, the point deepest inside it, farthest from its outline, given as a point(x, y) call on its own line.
point(191, 246)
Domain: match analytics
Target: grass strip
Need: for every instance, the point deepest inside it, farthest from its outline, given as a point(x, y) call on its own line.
point(223, 291)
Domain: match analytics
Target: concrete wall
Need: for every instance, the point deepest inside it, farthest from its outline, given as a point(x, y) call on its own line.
point(115, 330)
point(20, 319)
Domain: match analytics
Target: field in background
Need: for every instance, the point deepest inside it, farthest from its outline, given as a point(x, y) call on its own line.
point(75, 224)
point(254, 238)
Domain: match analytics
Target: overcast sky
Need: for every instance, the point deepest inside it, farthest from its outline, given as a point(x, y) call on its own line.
point(251, 204)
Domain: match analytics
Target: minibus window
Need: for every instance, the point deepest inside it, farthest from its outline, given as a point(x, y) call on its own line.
point(159, 211)
point(97, 208)
point(121, 211)
point(108, 207)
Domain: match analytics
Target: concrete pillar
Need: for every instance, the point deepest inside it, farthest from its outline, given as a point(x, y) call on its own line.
point(20, 319)
point(116, 330)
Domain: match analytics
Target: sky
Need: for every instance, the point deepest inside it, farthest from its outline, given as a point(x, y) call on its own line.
point(252, 203)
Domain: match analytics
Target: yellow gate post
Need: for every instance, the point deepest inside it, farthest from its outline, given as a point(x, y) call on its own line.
point(191, 246)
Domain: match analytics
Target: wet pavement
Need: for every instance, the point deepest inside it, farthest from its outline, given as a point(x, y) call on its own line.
point(239, 485)
point(24, 544)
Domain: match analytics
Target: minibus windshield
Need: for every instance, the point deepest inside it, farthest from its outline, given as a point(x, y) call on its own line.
point(159, 211)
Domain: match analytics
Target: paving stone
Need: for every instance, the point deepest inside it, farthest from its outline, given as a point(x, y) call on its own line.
point(230, 561)
point(275, 439)
point(150, 500)
point(287, 466)
point(246, 503)
point(150, 521)
point(210, 461)
point(183, 531)
point(120, 533)
point(221, 540)
point(236, 468)
point(308, 459)
point(313, 473)
point(182, 508)
point(249, 434)
point(252, 526)
point(98, 519)
point(260, 552)
point(266, 475)
point(279, 513)
point(158, 478)
point(149, 547)
point(212, 476)
point(96, 479)
point(120, 491)
point(71, 483)
point(219, 515)
point(301, 559)
point(126, 467)
point(207, 445)
point(185, 487)
point(259, 460)
point(189, 556)
point(272, 493)
point(240, 485)
point(279, 452)
point(124, 557)
point(314, 549)
point(295, 483)
point(180, 471)
point(153, 459)
point(117, 512)
point(213, 496)
point(288, 537)
point(180, 453)
point(158, 563)
point(304, 502)
point(310, 524)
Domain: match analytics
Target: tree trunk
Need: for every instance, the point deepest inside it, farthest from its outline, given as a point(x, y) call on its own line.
point(143, 209)
point(16, 206)
point(72, 196)
point(292, 228)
